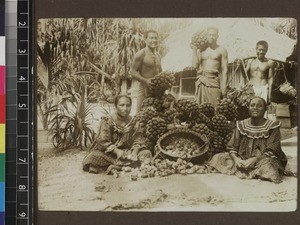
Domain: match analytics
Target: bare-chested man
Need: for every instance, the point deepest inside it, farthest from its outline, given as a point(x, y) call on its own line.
point(261, 72)
point(212, 65)
point(146, 64)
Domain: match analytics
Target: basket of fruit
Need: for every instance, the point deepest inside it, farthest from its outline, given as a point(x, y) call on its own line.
point(184, 144)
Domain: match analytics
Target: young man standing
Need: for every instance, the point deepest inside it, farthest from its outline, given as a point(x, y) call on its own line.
point(211, 64)
point(146, 64)
point(261, 71)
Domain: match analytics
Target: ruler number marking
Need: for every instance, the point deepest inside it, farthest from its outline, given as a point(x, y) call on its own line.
point(21, 78)
point(22, 187)
point(23, 160)
point(23, 105)
point(22, 51)
point(22, 24)
point(22, 214)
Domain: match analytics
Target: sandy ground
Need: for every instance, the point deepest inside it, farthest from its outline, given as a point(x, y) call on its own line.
point(62, 185)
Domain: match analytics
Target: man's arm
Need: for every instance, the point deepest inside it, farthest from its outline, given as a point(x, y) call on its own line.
point(195, 57)
point(159, 68)
point(134, 71)
point(224, 67)
point(248, 66)
point(270, 78)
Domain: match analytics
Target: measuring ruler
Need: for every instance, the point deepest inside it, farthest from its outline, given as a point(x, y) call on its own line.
point(19, 115)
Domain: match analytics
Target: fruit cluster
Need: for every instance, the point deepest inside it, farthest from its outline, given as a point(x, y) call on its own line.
point(160, 83)
point(216, 143)
point(227, 108)
point(221, 125)
point(202, 129)
point(152, 102)
point(187, 110)
point(146, 114)
point(155, 128)
point(199, 39)
point(169, 115)
point(207, 109)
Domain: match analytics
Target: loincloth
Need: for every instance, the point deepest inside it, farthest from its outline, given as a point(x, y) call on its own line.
point(261, 91)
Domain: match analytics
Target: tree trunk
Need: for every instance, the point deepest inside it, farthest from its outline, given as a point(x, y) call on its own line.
point(124, 86)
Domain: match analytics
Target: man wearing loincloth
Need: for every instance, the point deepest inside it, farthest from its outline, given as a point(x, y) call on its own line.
point(212, 64)
point(146, 64)
point(260, 71)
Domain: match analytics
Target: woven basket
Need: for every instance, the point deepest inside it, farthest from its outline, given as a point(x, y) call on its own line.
point(200, 140)
point(284, 93)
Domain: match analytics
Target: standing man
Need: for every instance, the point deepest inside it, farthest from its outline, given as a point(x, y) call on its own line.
point(211, 63)
point(261, 72)
point(146, 64)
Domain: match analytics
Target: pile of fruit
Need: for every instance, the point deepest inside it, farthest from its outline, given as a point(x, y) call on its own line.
point(160, 168)
point(167, 167)
point(215, 124)
point(161, 112)
point(199, 39)
point(182, 148)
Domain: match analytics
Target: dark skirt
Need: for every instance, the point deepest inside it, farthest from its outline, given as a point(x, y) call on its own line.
point(266, 168)
point(97, 159)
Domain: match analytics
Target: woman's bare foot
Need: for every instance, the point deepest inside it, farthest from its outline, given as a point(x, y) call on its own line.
point(93, 170)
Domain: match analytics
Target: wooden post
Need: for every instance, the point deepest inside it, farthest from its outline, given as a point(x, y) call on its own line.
point(124, 86)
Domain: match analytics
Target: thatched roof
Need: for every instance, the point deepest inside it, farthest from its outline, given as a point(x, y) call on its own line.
point(238, 36)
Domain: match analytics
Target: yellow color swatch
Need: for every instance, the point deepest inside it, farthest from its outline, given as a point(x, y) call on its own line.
point(2, 138)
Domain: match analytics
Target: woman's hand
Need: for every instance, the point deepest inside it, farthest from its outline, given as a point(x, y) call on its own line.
point(119, 153)
point(133, 155)
point(250, 163)
point(239, 162)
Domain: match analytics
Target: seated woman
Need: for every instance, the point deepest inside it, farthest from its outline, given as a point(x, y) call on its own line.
point(119, 138)
point(255, 149)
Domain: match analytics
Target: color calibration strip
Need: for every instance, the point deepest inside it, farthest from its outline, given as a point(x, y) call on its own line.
point(2, 112)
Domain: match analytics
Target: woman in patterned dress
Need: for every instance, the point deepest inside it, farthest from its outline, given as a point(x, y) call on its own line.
point(254, 150)
point(119, 139)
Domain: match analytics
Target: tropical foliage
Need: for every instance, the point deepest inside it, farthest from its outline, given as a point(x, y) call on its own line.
point(71, 124)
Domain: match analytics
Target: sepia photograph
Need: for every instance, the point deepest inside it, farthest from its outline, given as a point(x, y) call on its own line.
point(166, 114)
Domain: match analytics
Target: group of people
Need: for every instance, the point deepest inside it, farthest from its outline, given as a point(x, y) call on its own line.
point(212, 67)
point(254, 150)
